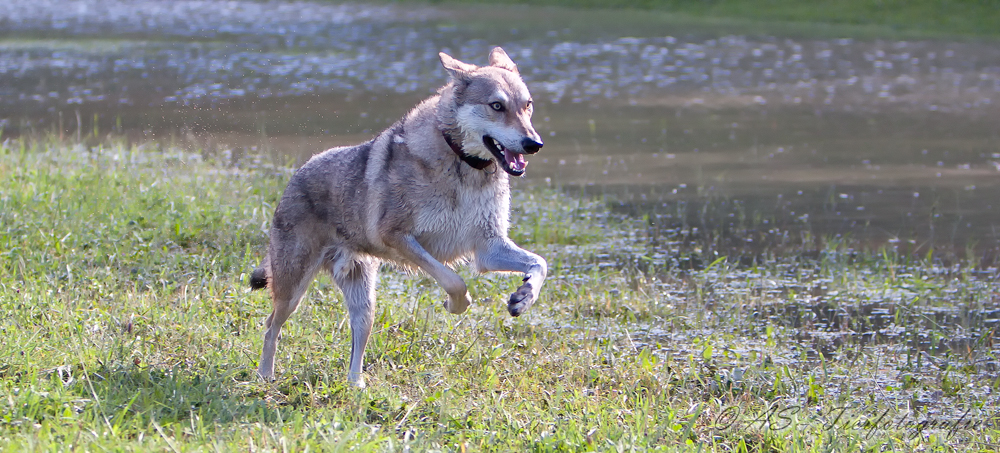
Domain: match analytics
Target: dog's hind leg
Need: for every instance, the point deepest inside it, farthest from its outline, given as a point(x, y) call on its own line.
point(357, 278)
point(289, 278)
point(502, 255)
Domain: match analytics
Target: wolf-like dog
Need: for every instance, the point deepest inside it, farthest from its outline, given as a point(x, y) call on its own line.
point(430, 191)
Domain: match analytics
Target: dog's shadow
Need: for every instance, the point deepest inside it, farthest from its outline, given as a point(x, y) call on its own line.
point(141, 396)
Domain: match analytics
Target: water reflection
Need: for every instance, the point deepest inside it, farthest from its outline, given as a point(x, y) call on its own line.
point(737, 137)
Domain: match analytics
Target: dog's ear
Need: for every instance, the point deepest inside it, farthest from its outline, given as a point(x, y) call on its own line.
point(457, 69)
point(500, 59)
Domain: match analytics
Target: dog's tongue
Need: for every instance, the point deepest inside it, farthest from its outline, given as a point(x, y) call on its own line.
point(515, 161)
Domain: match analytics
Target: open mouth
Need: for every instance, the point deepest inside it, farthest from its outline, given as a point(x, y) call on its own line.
point(512, 163)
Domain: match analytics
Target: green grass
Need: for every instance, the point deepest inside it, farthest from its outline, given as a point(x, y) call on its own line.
point(879, 17)
point(128, 326)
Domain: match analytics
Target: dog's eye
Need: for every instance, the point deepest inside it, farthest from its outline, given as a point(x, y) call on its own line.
point(496, 106)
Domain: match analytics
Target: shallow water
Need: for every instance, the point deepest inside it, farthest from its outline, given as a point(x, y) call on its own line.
point(734, 137)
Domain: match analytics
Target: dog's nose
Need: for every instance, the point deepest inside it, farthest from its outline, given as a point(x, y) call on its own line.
point(530, 146)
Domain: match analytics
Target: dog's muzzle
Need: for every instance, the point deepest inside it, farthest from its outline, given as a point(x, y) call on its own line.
point(512, 162)
point(530, 146)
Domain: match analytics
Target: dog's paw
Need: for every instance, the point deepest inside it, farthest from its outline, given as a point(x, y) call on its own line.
point(521, 300)
point(458, 305)
point(356, 380)
point(265, 376)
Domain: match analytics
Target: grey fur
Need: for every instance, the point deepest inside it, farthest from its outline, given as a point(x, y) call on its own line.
point(406, 197)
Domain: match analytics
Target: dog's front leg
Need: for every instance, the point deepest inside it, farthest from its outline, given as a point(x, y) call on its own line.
point(458, 293)
point(502, 255)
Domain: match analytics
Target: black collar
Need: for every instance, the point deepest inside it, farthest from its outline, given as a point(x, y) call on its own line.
point(475, 162)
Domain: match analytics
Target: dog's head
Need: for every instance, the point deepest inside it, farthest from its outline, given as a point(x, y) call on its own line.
point(492, 108)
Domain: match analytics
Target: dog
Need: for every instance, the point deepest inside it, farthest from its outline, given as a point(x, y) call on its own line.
point(429, 192)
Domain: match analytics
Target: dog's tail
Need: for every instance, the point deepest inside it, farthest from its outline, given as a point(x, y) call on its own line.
point(258, 279)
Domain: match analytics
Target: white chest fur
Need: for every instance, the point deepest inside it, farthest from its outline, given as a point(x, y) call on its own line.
point(452, 231)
